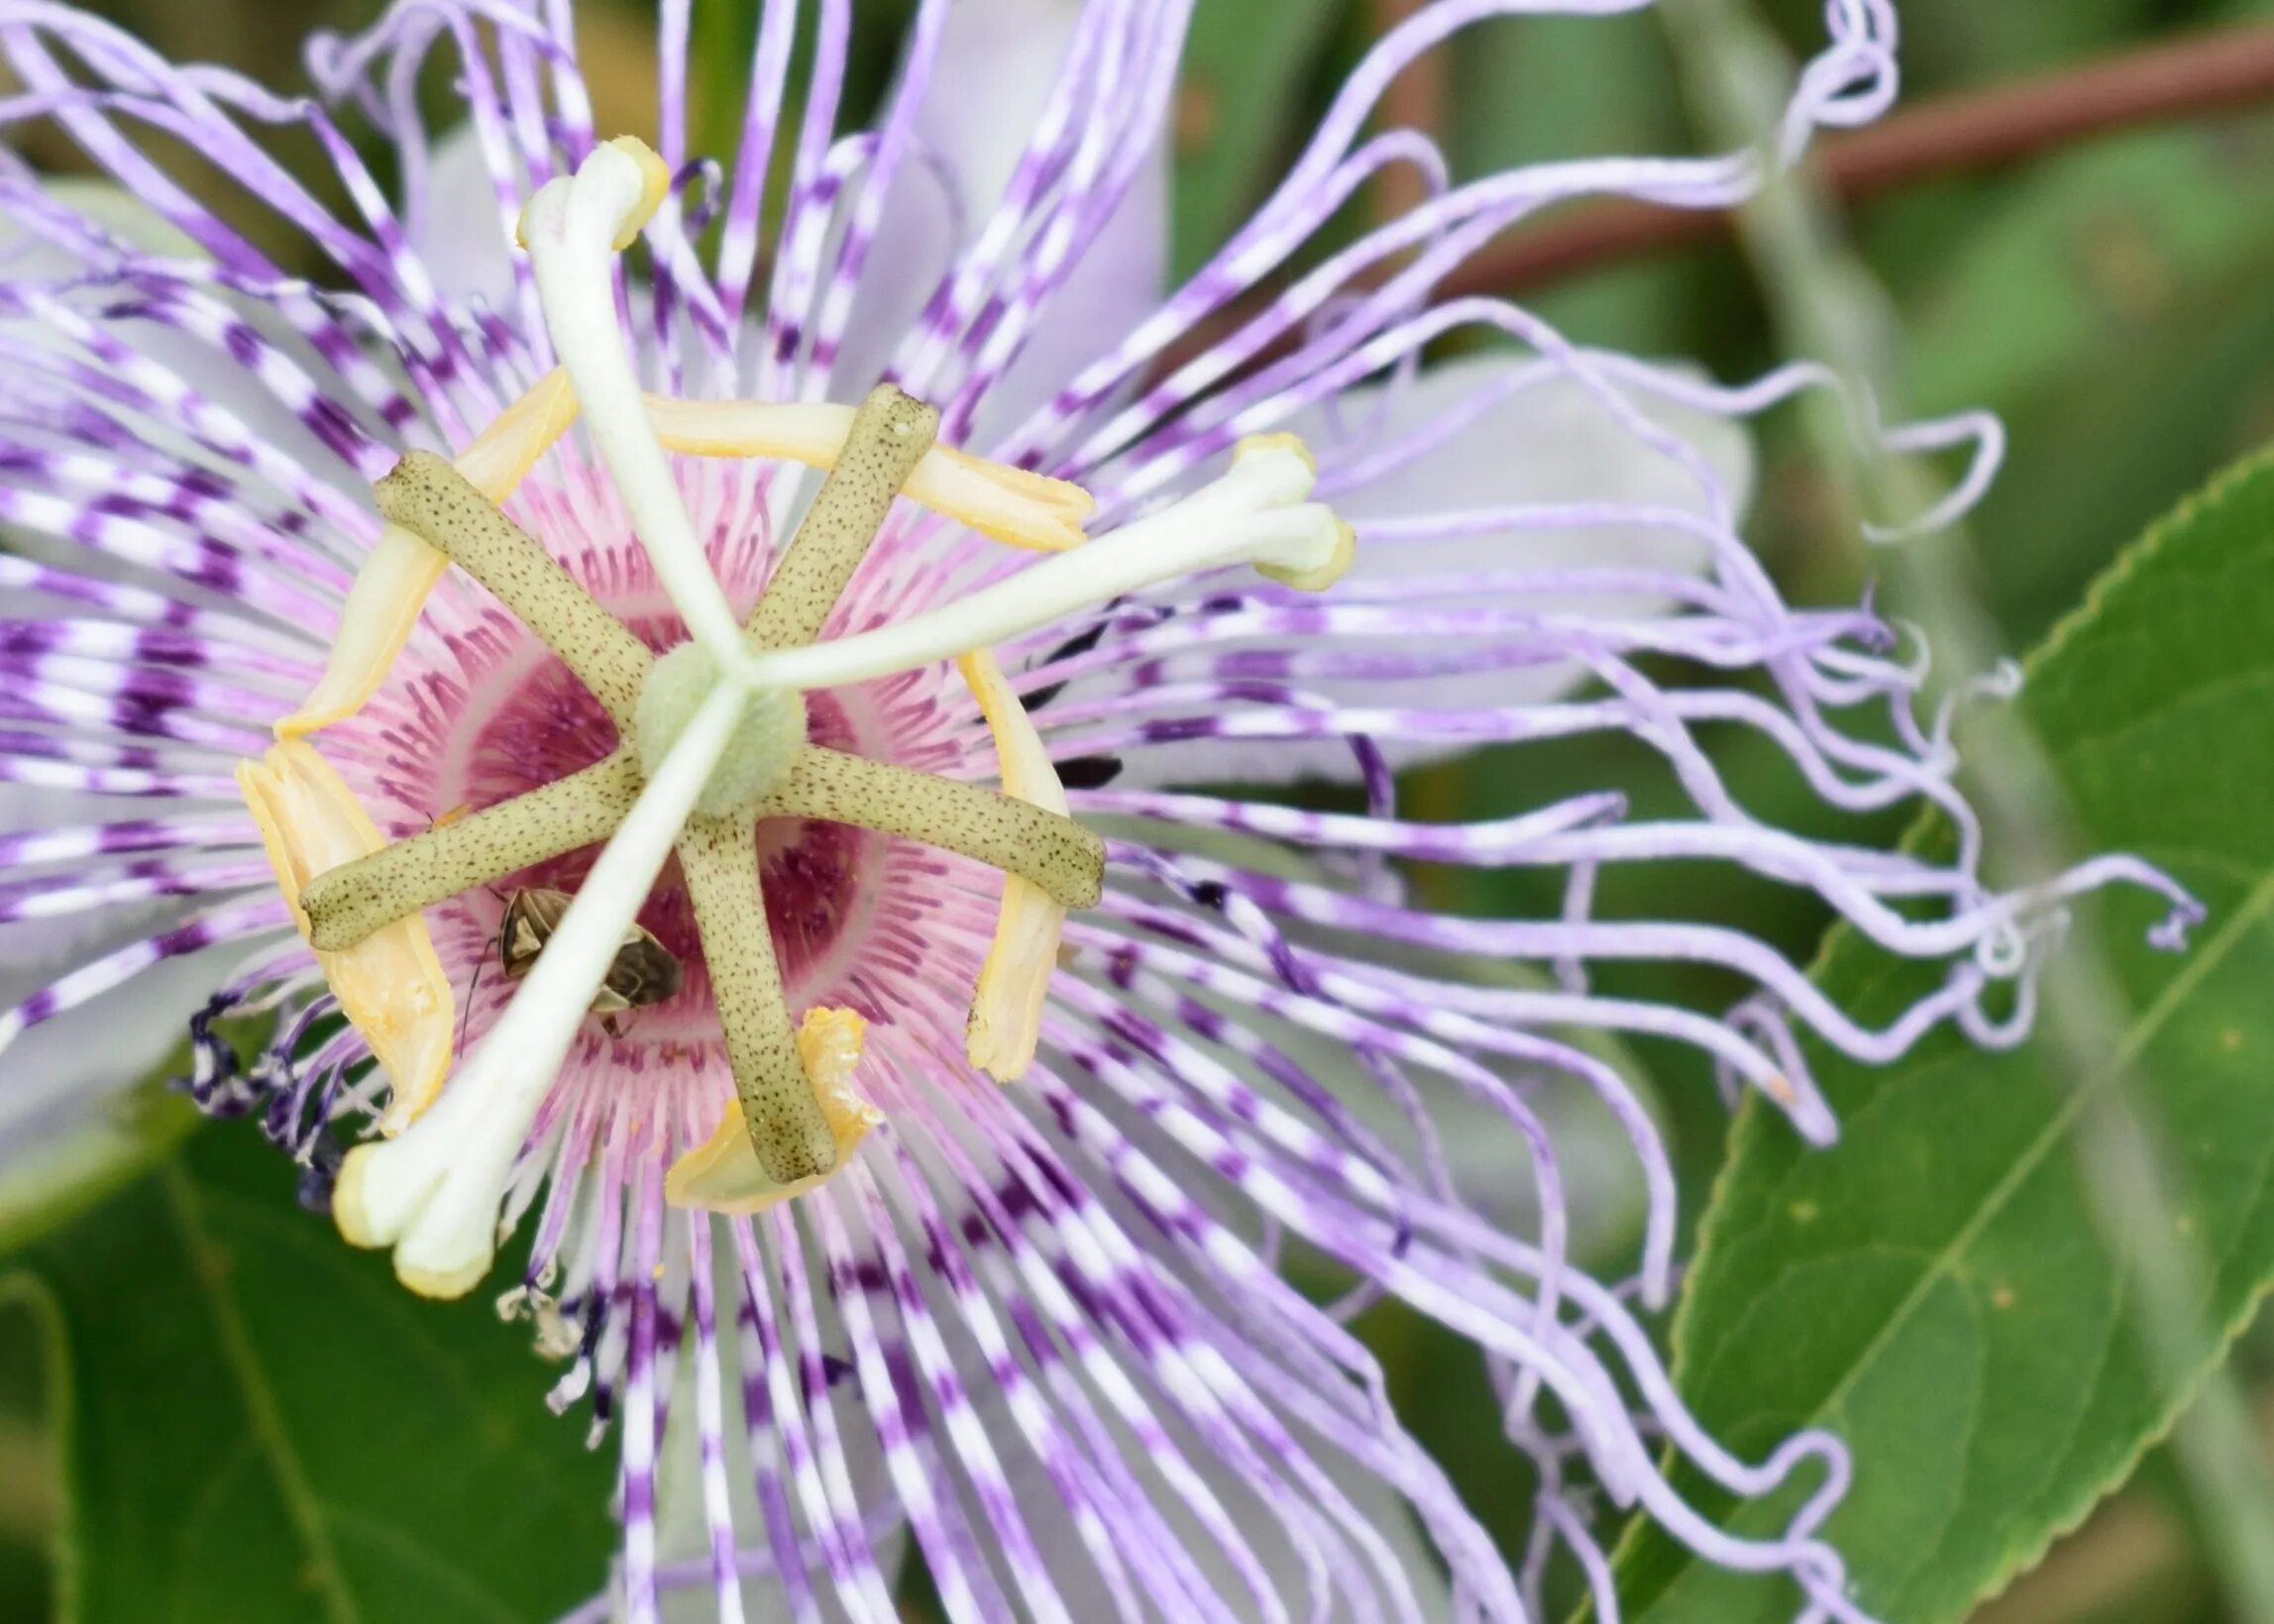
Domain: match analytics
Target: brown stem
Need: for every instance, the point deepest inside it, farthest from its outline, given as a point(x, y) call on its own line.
point(1415, 100)
point(1977, 130)
point(1954, 134)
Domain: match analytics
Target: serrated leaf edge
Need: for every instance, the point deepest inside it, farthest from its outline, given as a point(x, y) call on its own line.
point(2111, 582)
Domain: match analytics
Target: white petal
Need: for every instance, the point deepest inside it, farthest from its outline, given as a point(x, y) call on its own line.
point(68, 1072)
point(461, 236)
point(116, 212)
point(65, 1072)
point(212, 372)
point(1548, 442)
point(999, 60)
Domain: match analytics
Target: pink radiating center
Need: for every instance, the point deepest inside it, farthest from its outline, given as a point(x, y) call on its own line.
point(530, 722)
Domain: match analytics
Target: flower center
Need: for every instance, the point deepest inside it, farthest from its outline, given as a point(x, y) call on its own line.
point(818, 879)
point(711, 741)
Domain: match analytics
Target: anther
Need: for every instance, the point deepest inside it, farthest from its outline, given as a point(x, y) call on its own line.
point(888, 439)
point(433, 500)
point(1013, 505)
point(390, 985)
point(725, 1175)
point(780, 1111)
point(345, 905)
point(393, 585)
point(1005, 1024)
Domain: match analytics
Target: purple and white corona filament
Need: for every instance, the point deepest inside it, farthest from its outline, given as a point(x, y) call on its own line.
point(1035, 1325)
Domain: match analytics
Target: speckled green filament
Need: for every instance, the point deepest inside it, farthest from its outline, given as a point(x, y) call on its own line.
point(347, 903)
point(719, 856)
point(890, 435)
point(1052, 850)
point(434, 501)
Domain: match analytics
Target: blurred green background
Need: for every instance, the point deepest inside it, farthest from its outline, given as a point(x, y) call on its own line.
point(2109, 301)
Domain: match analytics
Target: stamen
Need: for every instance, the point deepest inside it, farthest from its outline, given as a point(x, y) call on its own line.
point(502, 454)
point(393, 585)
point(1051, 851)
point(433, 1194)
point(345, 905)
point(390, 985)
point(572, 228)
point(1013, 505)
point(1006, 1020)
point(781, 1118)
point(724, 1175)
point(888, 437)
point(1254, 514)
point(428, 497)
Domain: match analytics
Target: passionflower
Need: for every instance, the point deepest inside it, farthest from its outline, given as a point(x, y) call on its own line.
point(682, 704)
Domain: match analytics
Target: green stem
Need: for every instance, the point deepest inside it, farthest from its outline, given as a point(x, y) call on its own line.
point(1825, 303)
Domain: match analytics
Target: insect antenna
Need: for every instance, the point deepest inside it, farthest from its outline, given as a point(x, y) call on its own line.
point(465, 1021)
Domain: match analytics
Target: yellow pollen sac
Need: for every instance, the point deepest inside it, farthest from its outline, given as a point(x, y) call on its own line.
point(1012, 504)
point(391, 588)
point(391, 984)
point(723, 1174)
point(1006, 1020)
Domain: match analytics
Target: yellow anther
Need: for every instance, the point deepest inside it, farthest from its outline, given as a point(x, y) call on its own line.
point(1006, 1020)
point(375, 622)
point(1012, 504)
point(391, 588)
point(502, 454)
point(723, 1174)
point(390, 985)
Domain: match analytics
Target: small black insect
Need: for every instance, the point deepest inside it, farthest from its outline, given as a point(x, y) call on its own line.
point(644, 971)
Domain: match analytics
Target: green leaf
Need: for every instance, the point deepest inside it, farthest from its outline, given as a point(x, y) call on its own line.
point(1534, 89)
point(260, 1424)
point(2109, 307)
point(89, 1160)
point(1934, 1289)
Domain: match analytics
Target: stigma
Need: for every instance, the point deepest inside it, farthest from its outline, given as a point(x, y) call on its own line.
point(714, 743)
